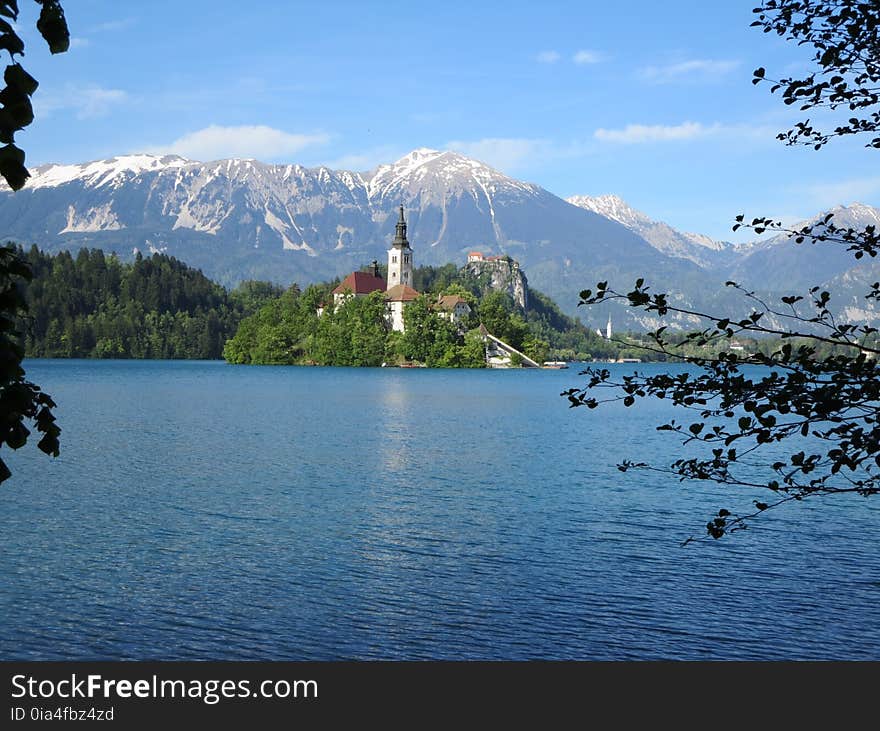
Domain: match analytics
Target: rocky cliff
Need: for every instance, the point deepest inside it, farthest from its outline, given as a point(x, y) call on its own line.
point(502, 274)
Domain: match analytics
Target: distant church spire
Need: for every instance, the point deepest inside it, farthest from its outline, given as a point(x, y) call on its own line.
point(400, 241)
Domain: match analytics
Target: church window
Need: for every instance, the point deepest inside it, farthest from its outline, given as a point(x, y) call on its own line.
point(394, 260)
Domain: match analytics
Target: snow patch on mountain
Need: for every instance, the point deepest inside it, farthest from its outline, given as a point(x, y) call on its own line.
point(345, 234)
point(613, 207)
point(101, 172)
point(700, 249)
point(862, 213)
point(99, 218)
point(434, 174)
point(282, 229)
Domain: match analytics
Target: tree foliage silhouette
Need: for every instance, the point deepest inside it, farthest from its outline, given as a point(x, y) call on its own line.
point(844, 35)
point(16, 112)
point(807, 424)
point(20, 400)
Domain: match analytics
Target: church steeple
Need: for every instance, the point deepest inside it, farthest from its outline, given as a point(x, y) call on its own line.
point(400, 241)
point(400, 261)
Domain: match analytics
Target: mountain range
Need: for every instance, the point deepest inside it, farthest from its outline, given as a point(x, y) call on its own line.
point(243, 219)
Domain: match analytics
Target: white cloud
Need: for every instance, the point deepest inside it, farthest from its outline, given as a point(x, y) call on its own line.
point(844, 192)
point(366, 160)
point(79, 42)
point(641, 133)
point(96, 102)
point(504, 153)
point(246, 141)
point(634, 134)
point(112, 26)
point(87, 102)
point(548, 57)
point(704, 69)
point(584, 56)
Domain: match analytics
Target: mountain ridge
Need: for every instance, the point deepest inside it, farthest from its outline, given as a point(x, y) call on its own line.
point(242, 219)
point(700, 249)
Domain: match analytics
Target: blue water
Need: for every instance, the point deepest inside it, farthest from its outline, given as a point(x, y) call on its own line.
point(204, 511)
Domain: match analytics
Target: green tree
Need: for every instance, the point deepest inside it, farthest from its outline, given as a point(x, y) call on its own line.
point(354, 333)
point(433, 280)
point(536, 348)
point(499, 315)
point(820, 393)
point(494, 310)
point(456, 288)
point(428, 337)
point(95, 307)
point(472, 353)
point(251, 295)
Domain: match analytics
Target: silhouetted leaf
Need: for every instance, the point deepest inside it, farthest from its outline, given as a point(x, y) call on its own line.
point(12, 166)
point(17, 77)
point(53, 27)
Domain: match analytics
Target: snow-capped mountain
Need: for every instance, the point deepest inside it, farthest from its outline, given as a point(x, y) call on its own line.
point(698, 248)
point(433, 175)
point(433, 183)
point(243, 219)
point(102, 172)
point(306, 209)
point(776, 260)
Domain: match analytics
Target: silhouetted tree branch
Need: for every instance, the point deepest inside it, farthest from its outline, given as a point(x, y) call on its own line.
point(807, 422)
point(845, 36)
point(21, 400)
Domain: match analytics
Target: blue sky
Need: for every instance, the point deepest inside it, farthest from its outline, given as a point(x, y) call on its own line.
point(651, 101)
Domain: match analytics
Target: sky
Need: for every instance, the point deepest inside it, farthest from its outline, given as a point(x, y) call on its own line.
point(650, 101)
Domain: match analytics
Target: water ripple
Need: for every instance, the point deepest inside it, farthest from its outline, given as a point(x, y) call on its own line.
point(383, 514)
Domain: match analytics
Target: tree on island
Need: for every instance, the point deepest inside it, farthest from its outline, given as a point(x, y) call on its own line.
point(20, 399)
point(820, 400)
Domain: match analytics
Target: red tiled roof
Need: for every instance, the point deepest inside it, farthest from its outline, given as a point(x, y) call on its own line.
point(449, 301)
point(360, 283)
point(401, 293)
point(475, 253)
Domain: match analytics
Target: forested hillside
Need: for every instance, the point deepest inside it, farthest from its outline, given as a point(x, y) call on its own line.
point(95, 306)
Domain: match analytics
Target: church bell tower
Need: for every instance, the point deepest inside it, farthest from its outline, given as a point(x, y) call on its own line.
point(400, 261)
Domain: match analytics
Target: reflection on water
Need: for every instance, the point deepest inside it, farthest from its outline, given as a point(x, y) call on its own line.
point(394, 416)
point(204, 511)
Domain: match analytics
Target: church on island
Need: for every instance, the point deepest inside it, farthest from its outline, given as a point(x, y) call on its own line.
point(398, 288)
point(399, 292)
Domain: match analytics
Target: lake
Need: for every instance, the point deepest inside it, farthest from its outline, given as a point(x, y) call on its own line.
point(205, 511)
